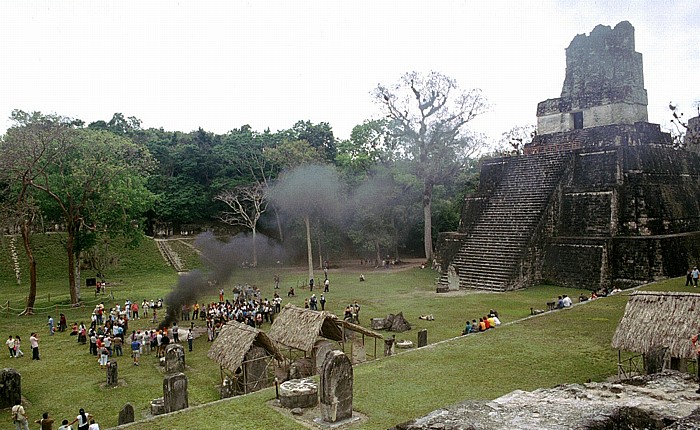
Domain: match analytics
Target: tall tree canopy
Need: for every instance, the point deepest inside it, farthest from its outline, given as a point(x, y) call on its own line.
point(29, 149)
point(428, 116)
point(98, 186)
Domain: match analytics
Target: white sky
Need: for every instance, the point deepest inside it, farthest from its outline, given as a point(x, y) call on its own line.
point(219, 65)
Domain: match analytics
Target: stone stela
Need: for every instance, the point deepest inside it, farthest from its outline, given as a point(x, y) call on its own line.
point(10, 387)
point(112, 373)
point(174, 358)
point(335, 388)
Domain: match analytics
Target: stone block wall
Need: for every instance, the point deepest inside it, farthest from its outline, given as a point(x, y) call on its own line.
point(576, 263)
point(628, 215)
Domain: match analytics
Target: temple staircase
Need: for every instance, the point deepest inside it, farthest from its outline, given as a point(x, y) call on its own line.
point(169, 255)
point(496, 246)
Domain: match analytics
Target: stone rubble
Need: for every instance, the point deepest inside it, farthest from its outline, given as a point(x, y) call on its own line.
point(665, 400)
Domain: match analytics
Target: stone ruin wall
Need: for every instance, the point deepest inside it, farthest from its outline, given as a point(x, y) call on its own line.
point(627, 215)
point(604, 83)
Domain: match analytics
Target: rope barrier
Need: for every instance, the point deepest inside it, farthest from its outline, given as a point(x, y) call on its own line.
point(7, 308)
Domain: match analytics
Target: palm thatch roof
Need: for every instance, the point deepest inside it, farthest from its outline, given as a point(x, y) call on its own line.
point(298, 328)
point(235, 340)
point(654, 319)
point(359, 329)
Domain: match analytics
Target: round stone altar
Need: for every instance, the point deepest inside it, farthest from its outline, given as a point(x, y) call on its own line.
point(298, 393)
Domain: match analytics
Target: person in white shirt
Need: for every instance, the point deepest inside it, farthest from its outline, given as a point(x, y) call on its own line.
point(11, 346)
point(566, 301)
point(65, 426)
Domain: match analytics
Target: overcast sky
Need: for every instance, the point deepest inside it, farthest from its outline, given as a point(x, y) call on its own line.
point(181, 65)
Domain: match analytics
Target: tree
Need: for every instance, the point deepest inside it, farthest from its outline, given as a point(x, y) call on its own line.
point(428, 116)
point(98, 186)
point(244, 152)
point(514, 140)
point(686, 133)
point(319, 136)
point(368, 145)
point(247, 204)
point(308, 191)
point(31, 146)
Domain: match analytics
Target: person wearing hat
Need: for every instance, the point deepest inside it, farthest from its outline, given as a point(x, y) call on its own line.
point(695, 274)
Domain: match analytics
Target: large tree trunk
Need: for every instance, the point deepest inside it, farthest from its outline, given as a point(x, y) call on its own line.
point(70, 245)
point(320, 257)
point(279, 223)
point(308, 247)
point(378, 257)
point(255, 251)
point(428, 221)
point(31, 298)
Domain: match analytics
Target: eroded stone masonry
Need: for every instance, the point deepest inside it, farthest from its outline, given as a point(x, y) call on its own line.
point(600, 197)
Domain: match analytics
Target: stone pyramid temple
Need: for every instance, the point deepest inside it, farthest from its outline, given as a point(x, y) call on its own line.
point(599, 198)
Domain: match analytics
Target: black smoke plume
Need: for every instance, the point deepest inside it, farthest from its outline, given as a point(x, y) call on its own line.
point(221, 259)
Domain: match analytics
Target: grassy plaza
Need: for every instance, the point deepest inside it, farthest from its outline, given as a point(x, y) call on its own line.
point(565, 346)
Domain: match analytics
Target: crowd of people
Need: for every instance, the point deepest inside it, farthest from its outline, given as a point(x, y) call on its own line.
point(107, 333)
point(486, 322)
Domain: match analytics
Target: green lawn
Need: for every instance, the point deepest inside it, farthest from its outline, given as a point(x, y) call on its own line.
point(558, 347)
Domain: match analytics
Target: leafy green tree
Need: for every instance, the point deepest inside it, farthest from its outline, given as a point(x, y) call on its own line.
point(99, 186)
point(319, 136)
point(370, 143)
point(27, 151)
point(185, 178)
point(428, 115)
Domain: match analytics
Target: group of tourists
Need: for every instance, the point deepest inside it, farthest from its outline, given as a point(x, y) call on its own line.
point(602, 292)
point(486, 322)
point(83, 420)
point(14, 346)
point(246, 307)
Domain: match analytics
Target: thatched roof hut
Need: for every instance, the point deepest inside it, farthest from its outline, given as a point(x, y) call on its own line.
point(235, 340)
point(362, 330)
point(659, 319)
point(299, 328)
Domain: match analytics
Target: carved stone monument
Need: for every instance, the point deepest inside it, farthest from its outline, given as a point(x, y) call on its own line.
point(359, 353)
point(255, 369)
point(10, 387)
point(175, 392)
point(422, 337)
point(174, 358)
point(389, 346)
point(321, 348)
point(379, 323)
point(126, 415)
point(452, 278)
point(112, 373)
point(335, 388)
